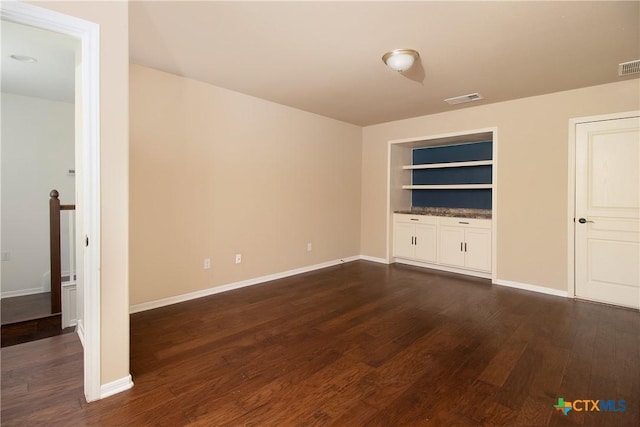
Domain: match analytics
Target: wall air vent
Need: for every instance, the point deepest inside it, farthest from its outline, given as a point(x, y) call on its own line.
point(463, 98)
point(631, 67)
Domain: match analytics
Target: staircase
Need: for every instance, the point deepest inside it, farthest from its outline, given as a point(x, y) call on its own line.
point(29, 318)
point(32, 317)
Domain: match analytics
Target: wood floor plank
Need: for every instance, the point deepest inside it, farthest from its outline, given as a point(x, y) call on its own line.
point(515, 390)
point(355, 344)
point(628, 372)
point(507, 358)
point(534, 412)
point(546, 382)
point(26, 307)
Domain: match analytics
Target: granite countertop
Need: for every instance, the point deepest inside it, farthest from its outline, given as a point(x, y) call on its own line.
point(453, 212)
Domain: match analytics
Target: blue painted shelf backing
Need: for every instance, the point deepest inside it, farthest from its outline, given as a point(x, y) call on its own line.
point(473, 199)
point(460, 198)
point(461, 175)
point(453, 153)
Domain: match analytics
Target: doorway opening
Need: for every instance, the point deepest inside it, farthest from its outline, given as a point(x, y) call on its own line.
point(38, 155)
point(87, 171)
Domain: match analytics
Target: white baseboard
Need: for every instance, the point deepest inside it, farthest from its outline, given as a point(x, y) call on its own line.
point(532, 288)
point(136, 308)
point(114, 387)
point(374, 259)
point(22, 292)
point(80, 331)
point(466, 272)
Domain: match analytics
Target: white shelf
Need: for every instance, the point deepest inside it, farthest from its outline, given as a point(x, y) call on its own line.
point(449, 165)
point(448, 187)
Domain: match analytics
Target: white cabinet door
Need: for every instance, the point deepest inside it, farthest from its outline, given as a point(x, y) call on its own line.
point(425, 242)
point(451, 249)
point(463, 243)
point(403, 234)
point(465, 247)
point(477, 249)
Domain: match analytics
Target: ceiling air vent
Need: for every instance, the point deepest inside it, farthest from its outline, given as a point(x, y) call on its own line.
point(463, 98)
point(631, 67)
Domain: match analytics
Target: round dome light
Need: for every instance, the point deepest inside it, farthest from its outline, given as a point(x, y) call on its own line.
point(400, 59)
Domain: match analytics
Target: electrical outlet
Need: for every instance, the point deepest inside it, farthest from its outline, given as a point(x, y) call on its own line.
point(207, 263)
point(238, 258)
point(309, 247)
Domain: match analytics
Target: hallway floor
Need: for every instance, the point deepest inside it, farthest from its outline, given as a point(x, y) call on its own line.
point(27, 307)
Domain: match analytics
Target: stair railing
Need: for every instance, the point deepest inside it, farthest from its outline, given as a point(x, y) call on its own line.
point(55, 250)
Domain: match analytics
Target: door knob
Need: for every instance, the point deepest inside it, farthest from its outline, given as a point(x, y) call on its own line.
point(583, 220)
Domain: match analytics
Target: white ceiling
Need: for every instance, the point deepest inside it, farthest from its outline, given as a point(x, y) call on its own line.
point(52, 76)
point(324, 57)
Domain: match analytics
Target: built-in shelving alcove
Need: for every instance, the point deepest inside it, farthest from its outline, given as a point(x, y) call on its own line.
point(456, 170)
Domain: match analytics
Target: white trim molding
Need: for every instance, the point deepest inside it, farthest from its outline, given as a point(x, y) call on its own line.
point(88, 33)
point(136, 308)
point(69, 304)
point(115, 387)
point(22, 292)
point(80, 331)
point(440, 267)
point(374, 259)
point(532, 288)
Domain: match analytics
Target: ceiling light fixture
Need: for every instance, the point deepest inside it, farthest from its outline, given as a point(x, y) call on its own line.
point(23, 58)
point(400, 59)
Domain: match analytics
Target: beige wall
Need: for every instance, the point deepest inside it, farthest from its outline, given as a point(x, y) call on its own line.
point(114, 139)
point(216, 172)
point(532, 174)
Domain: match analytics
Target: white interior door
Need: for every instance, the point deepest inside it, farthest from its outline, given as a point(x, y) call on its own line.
point(607, 223)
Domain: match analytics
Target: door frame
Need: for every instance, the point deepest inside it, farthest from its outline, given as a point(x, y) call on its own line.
point(571, 248)
point(88, 33)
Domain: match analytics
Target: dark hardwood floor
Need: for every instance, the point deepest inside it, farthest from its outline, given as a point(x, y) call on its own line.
point(28, 318)
point(356, 344)
point(27, 307)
